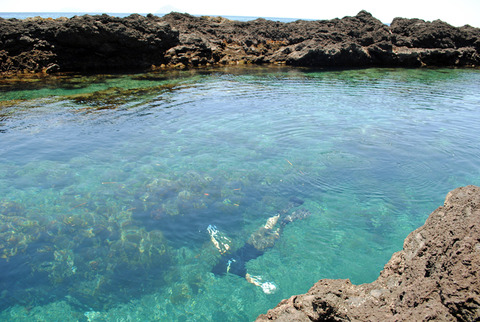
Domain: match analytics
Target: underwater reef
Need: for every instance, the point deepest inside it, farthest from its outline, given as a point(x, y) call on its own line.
point(434, 277)
point(101, 42)
point(99, 252)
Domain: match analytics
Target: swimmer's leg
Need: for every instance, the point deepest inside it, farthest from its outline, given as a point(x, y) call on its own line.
point(267, 287)
point(219, 240)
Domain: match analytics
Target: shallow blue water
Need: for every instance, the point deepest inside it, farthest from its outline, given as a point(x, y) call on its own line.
point(108, 183)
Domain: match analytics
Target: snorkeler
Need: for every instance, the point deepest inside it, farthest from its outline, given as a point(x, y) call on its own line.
point(257, 244)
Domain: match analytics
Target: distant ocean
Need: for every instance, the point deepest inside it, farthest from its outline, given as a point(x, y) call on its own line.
point(54, 15)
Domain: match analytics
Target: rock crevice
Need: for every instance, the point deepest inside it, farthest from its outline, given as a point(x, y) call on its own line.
point(435, 276)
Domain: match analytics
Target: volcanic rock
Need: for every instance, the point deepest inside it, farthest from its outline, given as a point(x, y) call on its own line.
point(435, 277)
point(101, 42)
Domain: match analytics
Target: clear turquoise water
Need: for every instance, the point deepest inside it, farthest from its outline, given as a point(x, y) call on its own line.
point(108, 183)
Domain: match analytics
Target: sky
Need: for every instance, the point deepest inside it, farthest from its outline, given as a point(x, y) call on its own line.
point(457, 13)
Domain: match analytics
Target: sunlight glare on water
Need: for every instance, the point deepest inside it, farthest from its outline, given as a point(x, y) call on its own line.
point(109, 183)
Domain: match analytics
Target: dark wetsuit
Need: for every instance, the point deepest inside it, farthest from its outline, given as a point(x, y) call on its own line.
point(235, 262)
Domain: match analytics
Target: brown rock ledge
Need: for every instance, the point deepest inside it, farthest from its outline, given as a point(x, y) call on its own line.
point(435, 277)
point(101, 42)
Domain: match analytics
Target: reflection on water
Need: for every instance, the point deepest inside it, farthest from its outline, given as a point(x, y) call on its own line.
point(108, 185)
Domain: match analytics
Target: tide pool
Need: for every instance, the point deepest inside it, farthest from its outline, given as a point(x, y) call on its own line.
point(108, 183)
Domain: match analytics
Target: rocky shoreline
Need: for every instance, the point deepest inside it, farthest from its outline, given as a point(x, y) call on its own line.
point(96, 43)
point(435, 277)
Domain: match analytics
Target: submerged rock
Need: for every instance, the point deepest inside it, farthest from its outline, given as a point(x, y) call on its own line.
point(93, 43)
point(434, 277)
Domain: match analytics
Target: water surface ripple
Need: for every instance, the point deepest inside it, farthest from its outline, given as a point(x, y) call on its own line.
point(108, 184)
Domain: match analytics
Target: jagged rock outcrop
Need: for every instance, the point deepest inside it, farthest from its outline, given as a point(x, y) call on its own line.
point(84, 43)
point(93, 43)
point(435, 277)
